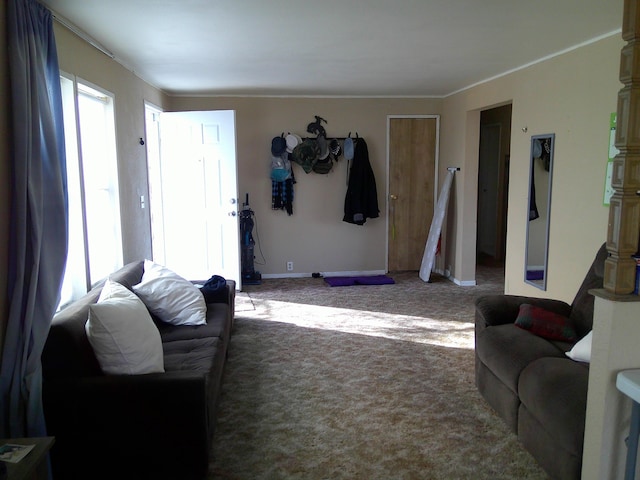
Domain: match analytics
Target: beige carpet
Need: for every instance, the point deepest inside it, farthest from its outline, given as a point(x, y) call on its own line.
point(362, 382)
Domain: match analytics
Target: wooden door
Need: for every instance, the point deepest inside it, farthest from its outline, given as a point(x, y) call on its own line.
point(412, 171)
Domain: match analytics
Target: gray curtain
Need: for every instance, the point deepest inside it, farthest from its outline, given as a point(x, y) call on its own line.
point(38, 229)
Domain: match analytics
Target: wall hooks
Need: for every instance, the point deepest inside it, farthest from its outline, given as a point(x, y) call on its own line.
point(525, 129)
point(141, 141)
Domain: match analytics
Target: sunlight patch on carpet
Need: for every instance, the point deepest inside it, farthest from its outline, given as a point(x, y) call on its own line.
point(444, 333)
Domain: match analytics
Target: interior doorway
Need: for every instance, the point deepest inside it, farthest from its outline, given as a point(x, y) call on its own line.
point(493, 186)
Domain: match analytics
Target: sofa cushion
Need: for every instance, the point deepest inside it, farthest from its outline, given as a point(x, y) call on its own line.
point(507, 350)
point(554, 391)
point(194, 355)
point(205, 356)
point(218, 325)
point(123, 336)
point(170, 297)
point(545, 323)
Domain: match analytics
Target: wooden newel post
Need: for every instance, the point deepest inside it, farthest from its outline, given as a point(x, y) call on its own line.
point(624, 210)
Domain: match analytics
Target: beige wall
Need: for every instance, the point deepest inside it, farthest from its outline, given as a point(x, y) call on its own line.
point(78, 58)
point(571, 95)
point(315, 238)
point(5, 185)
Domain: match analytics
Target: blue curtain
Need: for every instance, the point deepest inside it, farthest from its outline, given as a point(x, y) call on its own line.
point(38, 228)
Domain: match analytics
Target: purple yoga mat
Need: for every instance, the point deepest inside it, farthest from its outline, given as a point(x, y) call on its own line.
point(535, 274)
point(363, 280)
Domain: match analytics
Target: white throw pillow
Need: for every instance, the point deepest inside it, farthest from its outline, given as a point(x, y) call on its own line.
point(122, 333)
point(170, 297)
point(581, 351)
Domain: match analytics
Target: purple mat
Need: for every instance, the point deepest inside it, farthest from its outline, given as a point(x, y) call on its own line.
point(364, 280)
point(535, 274)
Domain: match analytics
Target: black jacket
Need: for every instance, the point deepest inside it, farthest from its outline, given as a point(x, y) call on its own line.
point(361, 201)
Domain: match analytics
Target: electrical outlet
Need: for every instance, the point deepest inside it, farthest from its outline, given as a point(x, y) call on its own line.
point(289, 266)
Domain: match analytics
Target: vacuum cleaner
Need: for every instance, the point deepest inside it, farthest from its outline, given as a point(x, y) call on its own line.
point(249, 274)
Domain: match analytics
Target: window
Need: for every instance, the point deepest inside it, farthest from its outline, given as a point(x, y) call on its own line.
point(95, 245)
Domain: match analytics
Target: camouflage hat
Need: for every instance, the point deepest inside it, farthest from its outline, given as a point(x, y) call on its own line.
point(323, 166)
point(323, 146)
point(306, 154)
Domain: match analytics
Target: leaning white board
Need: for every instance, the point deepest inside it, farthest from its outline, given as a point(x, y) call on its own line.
point(436, 226)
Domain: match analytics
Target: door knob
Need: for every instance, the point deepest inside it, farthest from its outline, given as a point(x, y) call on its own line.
point(393, 197)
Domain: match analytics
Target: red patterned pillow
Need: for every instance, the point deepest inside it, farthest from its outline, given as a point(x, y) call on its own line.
point(544, 323)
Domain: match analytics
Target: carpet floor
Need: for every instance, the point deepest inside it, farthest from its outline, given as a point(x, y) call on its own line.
point(360, 382)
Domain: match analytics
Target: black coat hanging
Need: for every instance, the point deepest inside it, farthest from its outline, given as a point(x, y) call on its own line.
point(361, 201)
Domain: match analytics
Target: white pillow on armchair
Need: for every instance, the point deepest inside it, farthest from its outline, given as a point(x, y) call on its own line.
point(581, 351)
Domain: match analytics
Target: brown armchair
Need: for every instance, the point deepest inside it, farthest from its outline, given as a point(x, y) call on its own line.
point(528, 380)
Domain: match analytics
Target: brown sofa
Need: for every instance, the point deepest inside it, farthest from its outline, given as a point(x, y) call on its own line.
point(528, 380)
point(155, 425)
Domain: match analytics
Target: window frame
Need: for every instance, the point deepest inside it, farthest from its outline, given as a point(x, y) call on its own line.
point(81, 283)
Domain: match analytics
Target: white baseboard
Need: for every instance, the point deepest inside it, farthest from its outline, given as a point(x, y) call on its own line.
point(447, 275)
point(444, 273)
point(285, 275)
point(465, 283)
point(360, 273)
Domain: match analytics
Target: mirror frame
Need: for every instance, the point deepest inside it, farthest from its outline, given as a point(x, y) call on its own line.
point(529, 276)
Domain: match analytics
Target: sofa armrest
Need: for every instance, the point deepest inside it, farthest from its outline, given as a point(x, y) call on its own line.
point(148, 420)
point(502, 309)
point(231, 296)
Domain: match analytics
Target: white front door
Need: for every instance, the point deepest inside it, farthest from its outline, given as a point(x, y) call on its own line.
point(194, 209)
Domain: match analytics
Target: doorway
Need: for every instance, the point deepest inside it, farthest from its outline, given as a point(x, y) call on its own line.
point(412, 162)
point(493, 186)
point(193, 192)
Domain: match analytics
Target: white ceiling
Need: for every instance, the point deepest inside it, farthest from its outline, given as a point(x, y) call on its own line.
point(335, 47)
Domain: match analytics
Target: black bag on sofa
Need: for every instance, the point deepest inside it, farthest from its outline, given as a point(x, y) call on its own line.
point(214, 289)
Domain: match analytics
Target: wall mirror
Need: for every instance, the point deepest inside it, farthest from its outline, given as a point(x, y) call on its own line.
point(537, 240)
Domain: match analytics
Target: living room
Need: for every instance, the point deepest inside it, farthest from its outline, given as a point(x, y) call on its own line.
point(571, 94)
point(576, 105)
